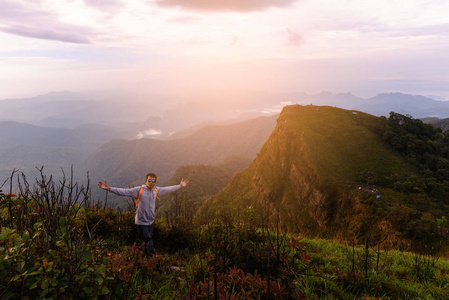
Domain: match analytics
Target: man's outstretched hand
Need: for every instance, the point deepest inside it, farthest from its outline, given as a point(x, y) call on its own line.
point(184, 182)
point(104, 185)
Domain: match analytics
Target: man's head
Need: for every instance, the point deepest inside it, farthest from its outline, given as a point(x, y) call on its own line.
point(150, 180)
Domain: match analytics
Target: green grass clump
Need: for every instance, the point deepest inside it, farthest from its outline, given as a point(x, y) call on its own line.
point(391, 275)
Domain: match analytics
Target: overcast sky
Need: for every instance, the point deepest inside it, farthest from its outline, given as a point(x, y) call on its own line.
point(190, 46)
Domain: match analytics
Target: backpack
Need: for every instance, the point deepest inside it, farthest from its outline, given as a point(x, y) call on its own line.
point(140, 193)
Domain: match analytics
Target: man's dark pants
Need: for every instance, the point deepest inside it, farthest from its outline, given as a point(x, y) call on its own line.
point(146, 232)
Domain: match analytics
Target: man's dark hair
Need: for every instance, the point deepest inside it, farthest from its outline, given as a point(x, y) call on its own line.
point(151, 175)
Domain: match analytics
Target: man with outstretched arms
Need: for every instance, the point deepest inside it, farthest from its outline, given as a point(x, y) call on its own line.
point(146, 196)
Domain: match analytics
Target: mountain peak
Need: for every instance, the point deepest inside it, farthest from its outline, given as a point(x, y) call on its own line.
point(312, 174)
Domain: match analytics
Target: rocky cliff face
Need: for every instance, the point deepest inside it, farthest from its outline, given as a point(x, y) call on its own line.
point(323, 171)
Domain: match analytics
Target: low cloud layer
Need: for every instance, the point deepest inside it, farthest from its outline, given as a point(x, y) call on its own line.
point(226, 5)
point(148, 132)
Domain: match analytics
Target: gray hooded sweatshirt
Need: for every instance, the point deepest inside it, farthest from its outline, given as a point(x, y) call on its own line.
point(145, 211)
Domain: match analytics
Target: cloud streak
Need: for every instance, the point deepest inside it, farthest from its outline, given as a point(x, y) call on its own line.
point(31, 21)
point(46, 34)
point(441, 29)
point(12, 11)
point(226, 5)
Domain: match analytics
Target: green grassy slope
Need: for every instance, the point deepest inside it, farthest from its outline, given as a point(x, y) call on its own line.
point(204, 182)
point(306, 179)
point(340, 144)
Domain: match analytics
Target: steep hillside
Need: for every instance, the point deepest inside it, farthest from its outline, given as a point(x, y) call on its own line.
point(326, 171)
point(437, 122)
point(205, 181)
point(126, 162)
point(208, 180)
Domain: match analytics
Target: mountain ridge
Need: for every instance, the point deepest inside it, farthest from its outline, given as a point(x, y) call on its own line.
point(70, 109)
point(321, 172)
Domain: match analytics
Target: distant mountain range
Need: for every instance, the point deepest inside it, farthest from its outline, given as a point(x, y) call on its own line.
point(159, 116)
point(61, 129)
point(129, 117)
point(381, 105)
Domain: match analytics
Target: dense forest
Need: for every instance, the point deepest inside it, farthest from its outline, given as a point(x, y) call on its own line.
point(425, 146)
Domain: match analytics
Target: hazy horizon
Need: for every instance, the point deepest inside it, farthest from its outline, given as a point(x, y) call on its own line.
point(192, 47)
